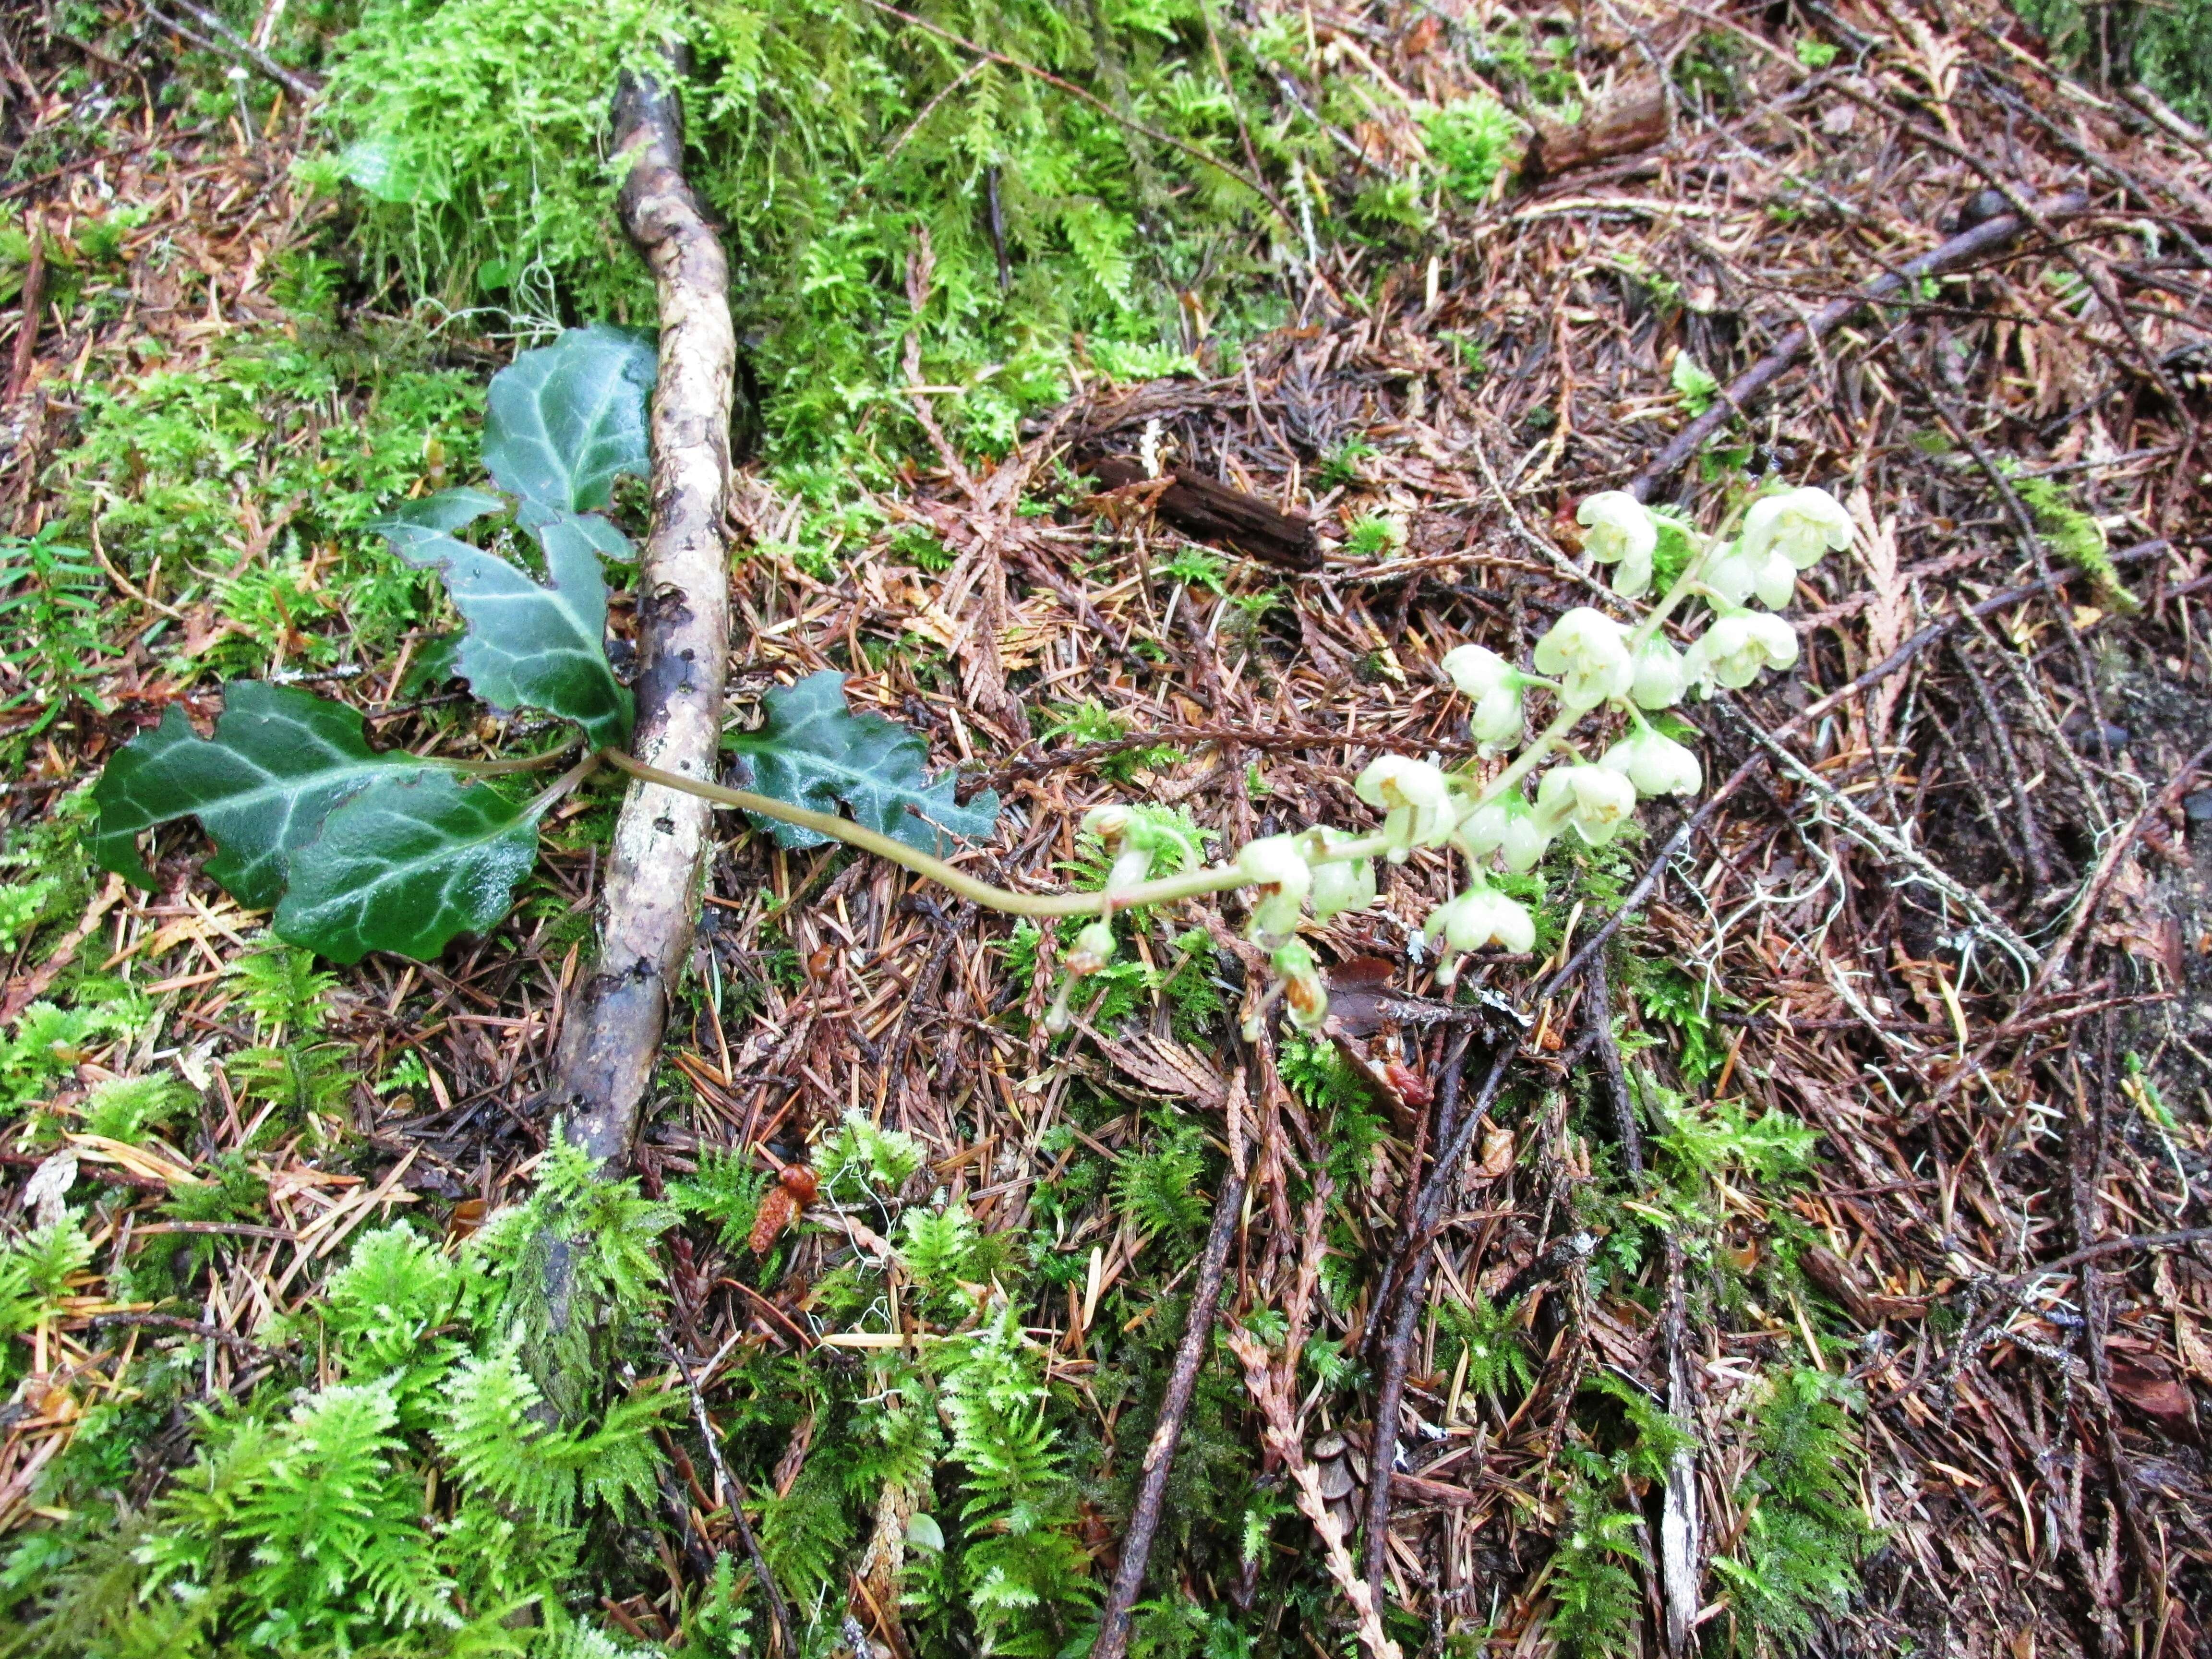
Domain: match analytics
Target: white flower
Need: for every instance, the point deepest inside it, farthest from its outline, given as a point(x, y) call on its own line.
point(1596, 800)
point(1733, 575)
point(1735, 648)
point(1341, 884)
point(1660, 677)
point(1775, 581)
point(1505, 827)
point(1416, 805)
point(1620, 532)
point(1525, 841)
point(1800, 525)
point(1132, 854)
point(1657, 765)
point(1476, 669)
point(1480, 916)
point(1588, 651)
point(1275, 865)
point(1498, 722)
point(1481, 830)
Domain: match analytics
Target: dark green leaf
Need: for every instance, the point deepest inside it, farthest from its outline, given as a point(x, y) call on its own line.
point(529, 644)
point(406, 865)
point(436, 661)
point(811, 751)
point(448, 510)
point(279, 761)
point(563, 421)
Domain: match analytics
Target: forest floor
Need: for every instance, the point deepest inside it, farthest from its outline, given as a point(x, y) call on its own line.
point(1921, 1010)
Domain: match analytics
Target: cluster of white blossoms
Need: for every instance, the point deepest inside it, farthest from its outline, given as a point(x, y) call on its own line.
point(1589, 664)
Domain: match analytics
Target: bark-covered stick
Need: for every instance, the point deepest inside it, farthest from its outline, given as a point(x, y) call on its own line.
point(650, 899)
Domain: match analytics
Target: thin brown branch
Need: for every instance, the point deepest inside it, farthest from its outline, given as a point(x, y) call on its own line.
point(1159, 1453)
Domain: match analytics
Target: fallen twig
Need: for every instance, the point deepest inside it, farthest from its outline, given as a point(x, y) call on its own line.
point(227, 42)
point(610, 1039)
point(1735, 397)
point(734, 1494)
point(1278, 1425)
point(1159, 1454)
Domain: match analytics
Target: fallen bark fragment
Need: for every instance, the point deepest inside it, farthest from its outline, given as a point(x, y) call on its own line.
point(612, 1035)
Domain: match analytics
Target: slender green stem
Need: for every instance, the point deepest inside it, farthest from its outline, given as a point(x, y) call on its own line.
point(1214, 879)
point(497, 768)
point(544, 799)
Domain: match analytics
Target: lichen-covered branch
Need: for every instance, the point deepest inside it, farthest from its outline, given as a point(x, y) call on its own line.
point(650, 895)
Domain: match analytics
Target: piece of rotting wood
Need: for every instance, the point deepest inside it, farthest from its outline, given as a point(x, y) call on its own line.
point(1636, 120)
point(1208, 511)
point(650, 897)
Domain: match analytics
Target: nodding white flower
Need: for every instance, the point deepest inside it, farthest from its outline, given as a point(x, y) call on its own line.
point(1416, 804)
point(1734, 576)
point(1495, 685)
point(1498, 722)
point(1802, 526)
point(1525, 840)
point(1596, 800)
point(1660, 677)
point(1481, 916)
point(1775, 581)
point(1279, 870)
point(1588, 653)
point(1094, 949)
point(1620, 530)
point(1340, 884)
point(1656, 765)
point(1733, 649)
point(1305, 994)
point(1507, 828)
point(1476, 669)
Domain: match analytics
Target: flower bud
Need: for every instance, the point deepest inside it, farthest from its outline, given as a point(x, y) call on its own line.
point(1110, 824)
point(1498, 721)
point(1734, 576)
point(1340, 885)
point(1094, 949)
point(1595, 800)
point(1279, 870)
point(1525, 841)
point(1655, 763)
point(1660, 678)
point(1802, 526)
point(1305, 994)
point(1588, 652)
point(1416, 803)
point(1481, 829)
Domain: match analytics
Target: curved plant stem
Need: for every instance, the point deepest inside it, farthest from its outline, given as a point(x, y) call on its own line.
point(561, 786)
point(1214, 879)
point(499, 769)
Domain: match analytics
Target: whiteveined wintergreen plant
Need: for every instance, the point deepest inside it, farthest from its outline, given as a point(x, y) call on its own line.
point(1591, 665)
